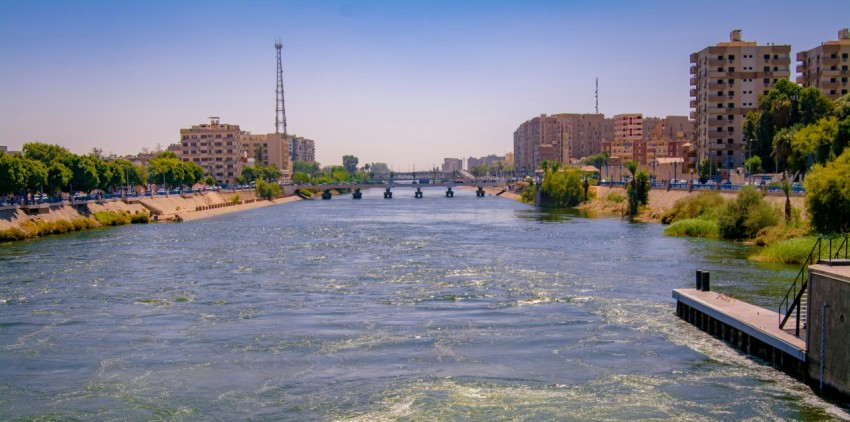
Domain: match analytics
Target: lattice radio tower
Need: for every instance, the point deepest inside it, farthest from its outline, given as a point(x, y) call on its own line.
point(280, 109)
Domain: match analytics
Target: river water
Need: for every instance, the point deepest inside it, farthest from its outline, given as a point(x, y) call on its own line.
point(417, 309)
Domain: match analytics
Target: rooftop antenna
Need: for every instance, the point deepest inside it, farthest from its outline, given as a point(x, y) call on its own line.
point(280, 109)
point(597, 95)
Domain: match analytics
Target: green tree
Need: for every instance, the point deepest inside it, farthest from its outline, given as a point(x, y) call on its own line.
point(782, 147)
point(58, 177)
point(309, 167)
point(828, 195)
point(480, 170)
point(349, 162)
point(813, 144)
point(784, 106)
point(562, 188)
point(209, 181)
point(597, 160)
point(267, 190)
point(637, 188)
point(85, 176)
point(301, 177)
point(13, 174)
point(753, 164)
point(47, 154)
point(36, 175)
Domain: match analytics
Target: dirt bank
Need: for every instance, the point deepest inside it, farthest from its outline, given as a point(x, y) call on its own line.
point(661, 200)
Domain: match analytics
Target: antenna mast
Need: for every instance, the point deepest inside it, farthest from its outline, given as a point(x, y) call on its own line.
point(597, 95)
point(280, 109)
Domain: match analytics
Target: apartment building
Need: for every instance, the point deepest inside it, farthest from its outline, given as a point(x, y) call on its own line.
point(491, 160)
point(825, 67)
point(646, 139)
point(302, 149)
point(216, 147)
point(564, 137)
point(726, 80)
point(451, 165)
point(269, 150)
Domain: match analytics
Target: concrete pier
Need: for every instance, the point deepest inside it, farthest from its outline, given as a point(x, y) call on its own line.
point(749, 328)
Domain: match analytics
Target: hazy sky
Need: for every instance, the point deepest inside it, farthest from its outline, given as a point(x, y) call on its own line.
point(402, 82)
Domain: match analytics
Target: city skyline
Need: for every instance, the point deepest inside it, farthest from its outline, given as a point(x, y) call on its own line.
point(374, 79)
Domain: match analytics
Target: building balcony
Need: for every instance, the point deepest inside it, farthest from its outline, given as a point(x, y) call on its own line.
point(716, 62)
point(801, 56)
point(830, 61)
point(694, 81)
point(693, 115)
point(694, 58)
point(693, 70)
point(714, 74)
point(801, 68)
point(693, 92)
point(693, 103)
point(830, 85)
point(713, 85)
point(801, 80)
point(782, 73)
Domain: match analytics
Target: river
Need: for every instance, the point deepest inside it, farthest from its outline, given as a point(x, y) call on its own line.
point(418, 309)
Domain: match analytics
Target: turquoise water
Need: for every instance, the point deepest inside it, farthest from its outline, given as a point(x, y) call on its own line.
point(416, 309)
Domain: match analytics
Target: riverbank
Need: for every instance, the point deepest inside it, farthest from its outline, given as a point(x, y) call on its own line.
point(160, 208)
point(612, 200)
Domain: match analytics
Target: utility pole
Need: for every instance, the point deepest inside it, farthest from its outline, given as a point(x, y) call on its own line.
point(280, 109)
point(597, 95)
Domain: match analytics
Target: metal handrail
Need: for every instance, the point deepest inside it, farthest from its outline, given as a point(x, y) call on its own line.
point(802, 277)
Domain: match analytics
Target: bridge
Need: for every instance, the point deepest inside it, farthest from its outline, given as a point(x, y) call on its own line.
point(389, 186)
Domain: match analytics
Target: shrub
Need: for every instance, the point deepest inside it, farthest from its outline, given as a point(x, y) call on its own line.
point(746, 215)
point(12, 234)
point(614, 196)
point(528, 194)
point(111, 218)
point(234, 199)
point(694, 227)
point(83, 223)
point(267, 190)
point(702, 205)
point(828, 195)
point(791, 251)
point(139, 219)
point(770, 235)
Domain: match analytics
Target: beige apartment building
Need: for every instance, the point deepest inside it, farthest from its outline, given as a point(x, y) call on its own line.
point(216, 147)
point(564, 137)
point(825, 67)
point(451, 165)
point(302, 149)
point(726, 80)
point(269, 150)
point(646, 139)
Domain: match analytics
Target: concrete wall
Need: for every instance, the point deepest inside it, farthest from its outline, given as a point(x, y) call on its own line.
point(829, 285)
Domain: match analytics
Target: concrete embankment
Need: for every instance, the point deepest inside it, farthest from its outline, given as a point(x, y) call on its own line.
point(160, 208)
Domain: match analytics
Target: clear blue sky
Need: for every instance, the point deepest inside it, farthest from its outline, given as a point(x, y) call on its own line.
point(402, 82)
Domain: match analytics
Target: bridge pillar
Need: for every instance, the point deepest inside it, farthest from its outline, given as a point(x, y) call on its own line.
point(480, 192)
point(418, 193)
point(449, 193)
point(388, 194)
point(326, 194)
point(357, 194)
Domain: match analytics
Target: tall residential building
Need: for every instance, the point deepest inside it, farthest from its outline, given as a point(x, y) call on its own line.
point(628, 127)
point(825, 67)
point(563, 137)
point(302, 149)
point(269, 150)
point(491, 160)
point(726, 82)
point(451, 165)
point(216, 147)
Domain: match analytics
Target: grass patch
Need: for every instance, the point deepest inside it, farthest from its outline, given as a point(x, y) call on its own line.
point(12, 234)
point(694, 227)
point(112, 218)
point(791, 251)
point(702, 205)
point(614, 196)
point(140, 218)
